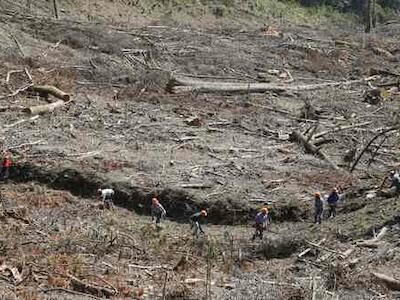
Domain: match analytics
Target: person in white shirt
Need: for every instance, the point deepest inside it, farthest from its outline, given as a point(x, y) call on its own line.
point(106, 195)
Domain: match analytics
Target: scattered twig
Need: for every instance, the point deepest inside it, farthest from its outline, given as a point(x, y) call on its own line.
point(16, 92)
point(18, 45)
point(21, 121)
point(150, 267)
point(309, 249)
point(324, 248)
point(25, 144)
point(340, 128)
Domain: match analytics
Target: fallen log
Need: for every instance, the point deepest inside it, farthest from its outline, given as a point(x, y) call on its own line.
point(312, 149)
point(309, 249)
point(80, 286)
point(390, 282)
point(46, 90)
point(42, 109)
point(374, 242)
point(181, 85)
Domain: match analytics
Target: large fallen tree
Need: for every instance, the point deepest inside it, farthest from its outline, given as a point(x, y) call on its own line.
point(42, 109)
point(46, 90)
point(181, 85)
point(311, 148)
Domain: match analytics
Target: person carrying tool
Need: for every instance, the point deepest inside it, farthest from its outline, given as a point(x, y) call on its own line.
point(319, 208)
point(107, 196)
point(5, 166)
point(157, 212)
point(261, 222)
point(195, 222)
point(333, 199)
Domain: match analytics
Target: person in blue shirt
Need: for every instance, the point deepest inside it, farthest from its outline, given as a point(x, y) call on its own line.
point(261, 223)
point(333, 199)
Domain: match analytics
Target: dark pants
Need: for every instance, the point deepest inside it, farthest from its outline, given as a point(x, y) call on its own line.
point(5, 173)
point(318, 216)
point(108, 203)
point(196, 227)
point(158, 218)
point(332, 210)
point(259, 231)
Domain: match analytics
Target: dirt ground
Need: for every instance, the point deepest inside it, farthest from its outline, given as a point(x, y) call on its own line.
point(228, 153)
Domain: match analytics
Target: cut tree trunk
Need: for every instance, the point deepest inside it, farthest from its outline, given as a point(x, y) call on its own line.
point(312, 149)
point(179, 85)
point(42, 109)
point(45, 90)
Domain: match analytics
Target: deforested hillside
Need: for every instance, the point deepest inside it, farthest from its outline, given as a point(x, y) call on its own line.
point(221, 106)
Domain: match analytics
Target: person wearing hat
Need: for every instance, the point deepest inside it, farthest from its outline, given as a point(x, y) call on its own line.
point(261, 221)
point(319, 208)
point(333, 199)
point(195, 222)
point(157, 212)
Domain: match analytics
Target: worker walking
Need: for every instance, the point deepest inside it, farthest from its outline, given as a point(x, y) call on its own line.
point(333, 199)
point(5, 167)
point(157, 212)
point(395, 182)
point(319, 208)
point(261, 222)
point(195, 222)
point(107, 197)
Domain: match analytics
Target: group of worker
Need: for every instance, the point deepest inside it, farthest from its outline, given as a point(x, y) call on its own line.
point(332, 199)
point(158, 211)
point(261, 221)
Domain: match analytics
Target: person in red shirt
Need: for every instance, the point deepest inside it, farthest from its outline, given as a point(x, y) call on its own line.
point(5, 167)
